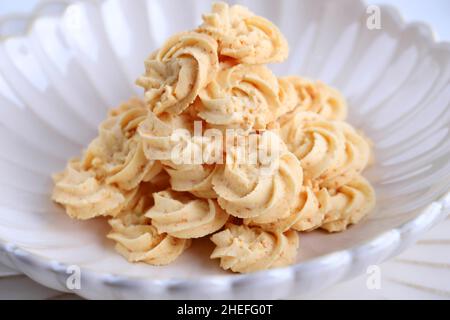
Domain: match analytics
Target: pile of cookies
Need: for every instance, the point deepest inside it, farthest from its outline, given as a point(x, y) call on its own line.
point(214, 80)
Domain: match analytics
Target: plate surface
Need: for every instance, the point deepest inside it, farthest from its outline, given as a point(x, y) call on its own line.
point(62, 69)
point(421, 272)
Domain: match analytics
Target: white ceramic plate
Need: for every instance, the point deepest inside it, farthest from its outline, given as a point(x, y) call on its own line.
point(62, 69)
point(421, 272)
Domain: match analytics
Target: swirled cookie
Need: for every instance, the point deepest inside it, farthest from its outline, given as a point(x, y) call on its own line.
point(117, 154)
point(162, 134)
point(183, 216)
point(244, 36)
point(175, 74)
point(317, 142)
point(138, 241)
point(241, 96)
point(355, 158)
point(261, 191)
point(316, 97)
point(306, 215)
point(347, 205)
point(331, 152)
point(244, 249)
point(83, 196)
point(196, 179)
